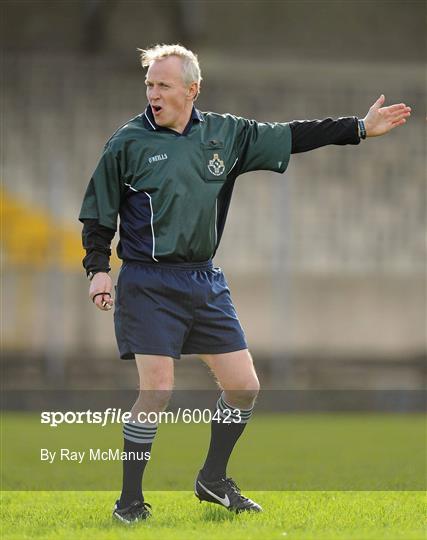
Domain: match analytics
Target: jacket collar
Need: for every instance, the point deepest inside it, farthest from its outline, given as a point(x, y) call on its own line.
point(150, 123)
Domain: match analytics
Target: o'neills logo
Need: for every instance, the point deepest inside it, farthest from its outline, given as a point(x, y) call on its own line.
point(216, 165)
point(159, 157)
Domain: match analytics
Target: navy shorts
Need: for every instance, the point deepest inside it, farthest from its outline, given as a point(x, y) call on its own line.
point(173, 309)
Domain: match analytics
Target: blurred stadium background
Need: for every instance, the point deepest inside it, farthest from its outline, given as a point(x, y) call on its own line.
point(326, 263)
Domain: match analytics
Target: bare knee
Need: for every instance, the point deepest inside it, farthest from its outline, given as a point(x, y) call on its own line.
point(151, 401)
point(156, 381)
point(244, 393)
point(236, 375)
point(155, 373)
point(154, 395)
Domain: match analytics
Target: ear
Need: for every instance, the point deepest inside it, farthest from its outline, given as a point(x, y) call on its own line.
point(193, 91)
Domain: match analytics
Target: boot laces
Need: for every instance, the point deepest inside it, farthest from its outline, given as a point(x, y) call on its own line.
point(136, 507)
point(235, 488)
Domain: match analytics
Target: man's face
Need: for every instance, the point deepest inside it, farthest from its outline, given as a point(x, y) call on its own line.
point(170, 99)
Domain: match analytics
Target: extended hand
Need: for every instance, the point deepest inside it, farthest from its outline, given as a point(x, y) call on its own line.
point(101, 283)
point(381, 120)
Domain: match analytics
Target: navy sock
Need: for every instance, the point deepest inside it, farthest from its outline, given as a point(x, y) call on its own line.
point(138, 438)
point(224, 435)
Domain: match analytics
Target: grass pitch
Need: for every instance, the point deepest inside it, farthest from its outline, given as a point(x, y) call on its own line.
point(278, 452)
point(315, 456)
point(178, 516)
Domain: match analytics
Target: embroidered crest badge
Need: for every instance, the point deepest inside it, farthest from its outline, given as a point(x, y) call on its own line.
point(216, 165)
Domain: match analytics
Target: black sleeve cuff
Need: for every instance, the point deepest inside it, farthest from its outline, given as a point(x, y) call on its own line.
point(96, 241)
point(310, 134)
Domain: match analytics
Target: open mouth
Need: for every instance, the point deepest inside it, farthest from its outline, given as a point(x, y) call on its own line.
point(156, 109)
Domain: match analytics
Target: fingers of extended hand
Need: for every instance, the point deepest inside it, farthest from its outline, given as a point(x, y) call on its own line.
point(398, 117)
point(394, 117)
point(398, 122)
point(397, 107)
point(395, 110)
point(379, 121)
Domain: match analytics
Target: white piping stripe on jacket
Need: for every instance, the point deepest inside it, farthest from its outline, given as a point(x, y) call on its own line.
point(232, 167)
point(154, 127)
point(132, 188)
point(151, 221)
point(152, 228)
point(216, 218)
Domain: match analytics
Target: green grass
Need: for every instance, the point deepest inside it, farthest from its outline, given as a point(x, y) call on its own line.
point(323, 476)
point(178, 515)
point(300, 452)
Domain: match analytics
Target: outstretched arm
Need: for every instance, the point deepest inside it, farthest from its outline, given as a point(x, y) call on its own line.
point(310, 134)
point(380, 120)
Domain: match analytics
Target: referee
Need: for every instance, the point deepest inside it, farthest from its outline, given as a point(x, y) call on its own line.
point(169, 174)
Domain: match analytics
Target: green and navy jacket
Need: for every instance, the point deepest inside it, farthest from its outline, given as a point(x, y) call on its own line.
point(172, 191)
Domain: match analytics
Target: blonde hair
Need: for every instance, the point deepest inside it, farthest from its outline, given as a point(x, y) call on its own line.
point(190, 64)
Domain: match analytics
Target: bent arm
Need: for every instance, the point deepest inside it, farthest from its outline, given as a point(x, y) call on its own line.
point(96, 241)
